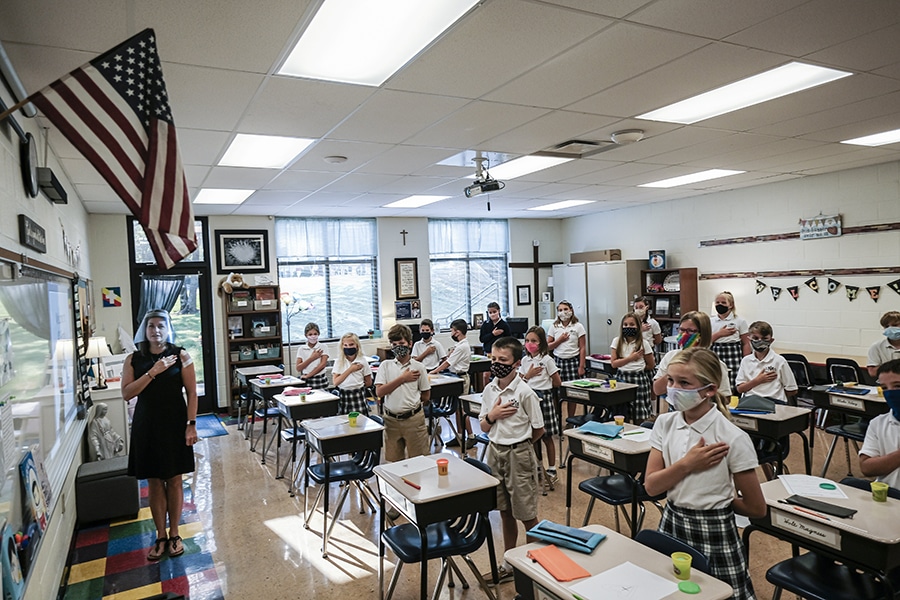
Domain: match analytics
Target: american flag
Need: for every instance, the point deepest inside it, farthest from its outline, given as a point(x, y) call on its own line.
point(115, 111)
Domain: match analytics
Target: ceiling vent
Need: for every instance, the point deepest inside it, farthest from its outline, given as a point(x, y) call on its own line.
point(585, 148)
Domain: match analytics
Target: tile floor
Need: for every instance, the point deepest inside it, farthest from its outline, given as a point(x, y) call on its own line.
point(245, 538)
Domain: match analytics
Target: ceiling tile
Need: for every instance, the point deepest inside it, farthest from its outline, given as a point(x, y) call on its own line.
point(274, 198)
point(714, 19)
point(239, 178)
point(308, 181)
point(474, 124)
point(547, 131)
point(357, 154)
point(71, 25)
point(208, 98)
point(201, 146)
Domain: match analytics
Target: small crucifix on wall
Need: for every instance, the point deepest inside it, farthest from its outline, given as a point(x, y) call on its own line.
point(403, 233)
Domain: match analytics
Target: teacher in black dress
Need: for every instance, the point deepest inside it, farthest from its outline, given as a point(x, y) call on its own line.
point(164, 426)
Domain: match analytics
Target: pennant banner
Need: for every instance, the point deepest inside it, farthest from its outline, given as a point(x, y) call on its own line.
point(776, 292)
point(760, 286)
point(794, 291)
point(834, 284)
point(874, 292)
point(813, 284)
point(852, 292)
point(895, 285)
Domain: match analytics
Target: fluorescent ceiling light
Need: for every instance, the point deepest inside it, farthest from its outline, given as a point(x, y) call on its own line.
point(876, 139)
point(365, 42)
point(263, 151)
point(525, 165)
point(415, 201)
point(562, 205)
point(781, 81)
point(692, 178)
point(220, 196)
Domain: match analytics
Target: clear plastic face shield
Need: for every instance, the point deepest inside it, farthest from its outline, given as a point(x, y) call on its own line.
point(156, 326)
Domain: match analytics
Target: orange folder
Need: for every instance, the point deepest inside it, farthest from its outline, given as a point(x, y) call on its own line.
point(558, 564)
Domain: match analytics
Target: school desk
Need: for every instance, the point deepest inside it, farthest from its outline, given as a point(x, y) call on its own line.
point(621, 455)
point(318, 403)
point(414, 488)
point(244, 374)
point(870, 541)
point(774, 426)
point(331, 437)
point(264, 392)
point(533, 582)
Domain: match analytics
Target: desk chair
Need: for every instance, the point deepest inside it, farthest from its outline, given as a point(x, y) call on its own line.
point(666, 544)
point(863, 484)
point(616, 490)
point(803, 376)
point(444, 407)
point(445, 540)
point(817, 577)
point(844, 370)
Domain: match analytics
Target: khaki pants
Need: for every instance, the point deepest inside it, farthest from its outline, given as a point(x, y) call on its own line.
point(406, 438)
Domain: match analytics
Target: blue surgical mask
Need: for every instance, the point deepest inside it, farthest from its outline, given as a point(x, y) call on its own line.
point(892, 397)
point(683, 399)
point(892, 333)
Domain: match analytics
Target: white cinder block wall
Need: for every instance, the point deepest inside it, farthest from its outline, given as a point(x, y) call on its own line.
point(816, 322)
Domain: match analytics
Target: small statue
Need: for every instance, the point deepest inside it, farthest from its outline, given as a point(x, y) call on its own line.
point(106, 443)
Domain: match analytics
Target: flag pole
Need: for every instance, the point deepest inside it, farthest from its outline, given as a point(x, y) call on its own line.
point(14, 108)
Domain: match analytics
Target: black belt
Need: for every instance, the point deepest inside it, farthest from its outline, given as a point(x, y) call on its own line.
point(404, 415)
point(516, 445)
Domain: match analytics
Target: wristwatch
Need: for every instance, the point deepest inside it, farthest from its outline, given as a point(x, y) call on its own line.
point(192, 421)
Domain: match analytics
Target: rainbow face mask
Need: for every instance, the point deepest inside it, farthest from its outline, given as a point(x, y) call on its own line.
point(686, 340)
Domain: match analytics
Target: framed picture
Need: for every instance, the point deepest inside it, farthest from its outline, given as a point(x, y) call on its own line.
point(243, 250)
point(523, 294)
point(402, 310)
point(546, 297)
point(657, 259)
point(406, 274)
point(477, 320)
point(662, 307)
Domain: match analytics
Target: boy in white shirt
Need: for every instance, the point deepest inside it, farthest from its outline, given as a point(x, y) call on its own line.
point(880, 455)
point(511, 415)
point(887, 349)
point(764, 371)
point(457, 361)
point(428, 350)
point(403, 387)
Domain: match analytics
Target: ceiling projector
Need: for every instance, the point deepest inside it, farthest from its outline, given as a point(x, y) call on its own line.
point(483, 186)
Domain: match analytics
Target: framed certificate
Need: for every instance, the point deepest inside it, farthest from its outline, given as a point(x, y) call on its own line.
point(407, 278)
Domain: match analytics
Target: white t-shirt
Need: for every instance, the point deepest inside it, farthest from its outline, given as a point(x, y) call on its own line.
point(662, 370)
point(408, 396)
point(718, 323)
point(517, 427)
point(304, 352)
point(654, 330)
point(354, 380)
point(634, 366)
point(752, 367)
point(882, 438)
point(433, 359)
point(714, 487)
point(881, 352)
point(543, 380)
point(460, 356)
point(569, 348)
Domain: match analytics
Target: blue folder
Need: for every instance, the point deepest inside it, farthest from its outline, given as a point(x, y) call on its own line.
point(567, 537)
point(604, 430)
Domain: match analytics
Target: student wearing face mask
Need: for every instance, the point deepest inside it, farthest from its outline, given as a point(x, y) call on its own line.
point(730, 337)
point(887, 349)
point(765, 372)
point(880, 455)
point(312, 358)
point(402, 386)
point(650, 328)
point(707, 467)
point(492, 330)
point(566, 339)
point(457, 362)
point(632, 356)
point(352, 375)
point(693, 331)
point(428, 350)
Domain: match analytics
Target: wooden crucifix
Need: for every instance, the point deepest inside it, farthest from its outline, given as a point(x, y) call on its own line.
point(535, 265)
point(404, 234)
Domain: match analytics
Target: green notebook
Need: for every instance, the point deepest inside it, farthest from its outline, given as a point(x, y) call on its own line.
point(584, 383)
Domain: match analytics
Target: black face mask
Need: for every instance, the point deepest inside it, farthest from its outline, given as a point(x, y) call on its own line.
point(629, 332)
point(426, 335)
point(499, 370)
point(349, 351)
point(722, 309)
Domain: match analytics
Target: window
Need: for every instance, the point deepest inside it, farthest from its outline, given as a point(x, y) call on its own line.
point(327, 268)
point(144, 255)
point(469, 267)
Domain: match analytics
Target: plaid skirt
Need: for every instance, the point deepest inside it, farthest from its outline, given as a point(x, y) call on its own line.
point(318, 382)
point(568, 368)
point(550, 410)
point(714, 533)
point(642, 406)
point(731, 354)
point(353, 400)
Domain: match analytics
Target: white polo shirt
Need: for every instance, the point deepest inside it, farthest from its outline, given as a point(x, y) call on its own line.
point(784, 381)
point(304, 352)
point(881, 352)
point(543, 380)
point(634, 366)
point(718, 323)
point(354, 380)
point(433, 359)
point(460, 356)
point(408, 395)
point(662, 370)
point(518, 426)
point(882, 438)
point(569, 348)
point(655, 329)
point(714, 487)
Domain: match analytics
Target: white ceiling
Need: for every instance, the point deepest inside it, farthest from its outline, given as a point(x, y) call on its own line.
point(513, 76)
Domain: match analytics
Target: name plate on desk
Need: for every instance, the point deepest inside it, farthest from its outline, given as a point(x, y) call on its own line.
point(805, 528)
point(577, 394)
point(745, 423)
point(596, 451)
point(847, 403)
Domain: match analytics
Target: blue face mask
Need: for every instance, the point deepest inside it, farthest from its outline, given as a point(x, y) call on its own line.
point(892, 397)
point(892, 333)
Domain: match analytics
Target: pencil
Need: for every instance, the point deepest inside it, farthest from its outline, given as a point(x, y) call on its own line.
point(635, 432)
point(413, 484)
point(809, 512)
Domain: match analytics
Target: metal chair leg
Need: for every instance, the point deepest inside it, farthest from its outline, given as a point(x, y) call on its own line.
point(481, 582)
point(587, 514)
point(828, 457)
point(394, 579)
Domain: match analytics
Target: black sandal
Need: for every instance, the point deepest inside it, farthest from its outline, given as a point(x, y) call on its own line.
point(159, 549)
point(171, 546)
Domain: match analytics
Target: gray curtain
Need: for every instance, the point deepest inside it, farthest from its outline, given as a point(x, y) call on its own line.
point(29, 305)
point(158, 291)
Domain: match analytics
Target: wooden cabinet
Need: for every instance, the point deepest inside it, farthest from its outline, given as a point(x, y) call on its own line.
point(672, 292)
point(253, 330)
